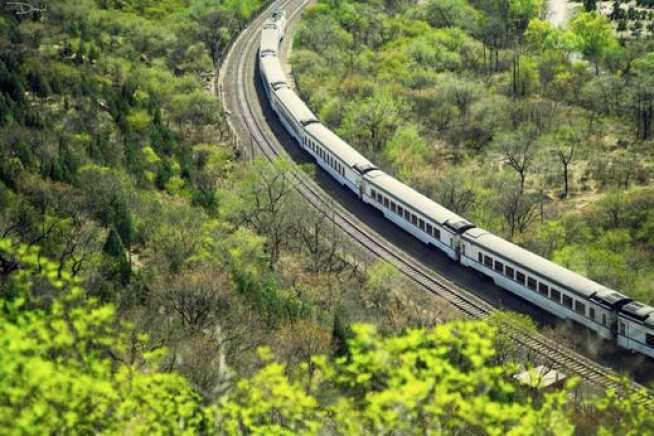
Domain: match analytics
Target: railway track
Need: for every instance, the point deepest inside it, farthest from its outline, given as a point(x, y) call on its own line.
point(254, 137)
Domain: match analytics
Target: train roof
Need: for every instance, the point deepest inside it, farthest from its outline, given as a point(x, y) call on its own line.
point(277, 17)
point(295, 106)
point(418, 202)
point(273, 71)
point(544, 268)
point(339, 148)
point(269, 42)
point(639, 312)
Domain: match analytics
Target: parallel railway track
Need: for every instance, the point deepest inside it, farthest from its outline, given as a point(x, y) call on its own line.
point(237, 82)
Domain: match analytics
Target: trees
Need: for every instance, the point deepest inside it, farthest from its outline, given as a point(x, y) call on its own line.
point(518, 150)
point(451, 13)
point(518, 210)
point(565, 145)
point(424, 381)
point(371, 121)
point(454, 193)
point(61, 366)
point(262, 201)
point(642, 96)
point(594, 36)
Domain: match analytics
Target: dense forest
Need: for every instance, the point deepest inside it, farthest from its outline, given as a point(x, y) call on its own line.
point(539, 134)
point(152, 283)
point(68, 366)
point(117, 163)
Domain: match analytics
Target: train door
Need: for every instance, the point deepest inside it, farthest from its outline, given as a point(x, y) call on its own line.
point(455, 243)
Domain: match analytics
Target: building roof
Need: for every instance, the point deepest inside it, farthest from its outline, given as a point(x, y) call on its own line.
point(540, 377)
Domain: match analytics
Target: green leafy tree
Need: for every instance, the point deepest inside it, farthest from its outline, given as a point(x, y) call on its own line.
point(439, 381)
point(372, 121)
point(594, 36)
point(62, 363)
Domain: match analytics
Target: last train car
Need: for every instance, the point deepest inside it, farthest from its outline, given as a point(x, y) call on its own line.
point(636, 328)
point(549, 286)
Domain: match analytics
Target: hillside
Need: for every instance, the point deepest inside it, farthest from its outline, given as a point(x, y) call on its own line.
point(117, 163)
point(541, 135)
point(150, 283)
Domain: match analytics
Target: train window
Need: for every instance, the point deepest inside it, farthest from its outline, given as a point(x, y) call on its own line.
point(385, 202)
point(407, 215)
point(488, 261)
point(591, 313)
point(421, 224)
point(400, 210)
point(567, 301)
point(414, 220)
point(430, 229)
point(509, 272)
point(649, 339)
point(604, 319)
point(531, 283)
point(481, 257)
point(623, 328)
point(555, 295)
point(520, 277)
point(437, 233)
point(543, 289)
point(580, 307)
point(393, 206)
point(499, 266)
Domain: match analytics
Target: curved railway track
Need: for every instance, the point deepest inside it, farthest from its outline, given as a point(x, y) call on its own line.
point(254, 136)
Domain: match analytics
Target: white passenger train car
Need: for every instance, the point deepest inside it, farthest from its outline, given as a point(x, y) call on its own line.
point(553, 288)
point(293, 112)
point(272, 75)
point(425, 219)
point(336, 156)
point(269, 43)
point(636, 328)
point(556, 289)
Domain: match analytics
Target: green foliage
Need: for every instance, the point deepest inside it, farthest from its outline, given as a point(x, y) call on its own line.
point(625, 414)
point(439, 381)
point(269, 299)
point(62, 369)
point(594, 35)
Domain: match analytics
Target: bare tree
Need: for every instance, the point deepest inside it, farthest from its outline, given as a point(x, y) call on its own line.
point(453, 193)
point(319, 236)
point(518, 150)
point(266, 191)
point(194, 297)
point(518, 209)
point(565, 149)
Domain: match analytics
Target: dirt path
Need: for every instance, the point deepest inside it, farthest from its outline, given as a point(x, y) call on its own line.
point(559, 12)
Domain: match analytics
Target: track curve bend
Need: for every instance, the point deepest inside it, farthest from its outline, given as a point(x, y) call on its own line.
point(254, 136)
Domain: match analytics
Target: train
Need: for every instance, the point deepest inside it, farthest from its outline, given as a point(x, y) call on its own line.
point(611, 315)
